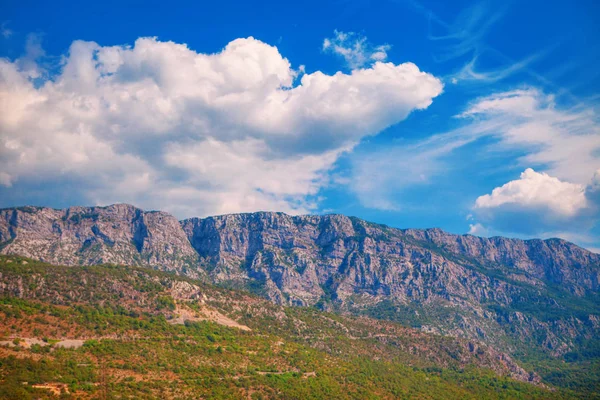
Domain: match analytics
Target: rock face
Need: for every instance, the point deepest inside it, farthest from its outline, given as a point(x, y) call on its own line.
point(119, 233)
point(540, 293)
point(498, 290)
point(303, 257)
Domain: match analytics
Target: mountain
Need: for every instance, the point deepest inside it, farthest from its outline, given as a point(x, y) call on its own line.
point(127, 332)
point(92, 235)
point(537, 300)
point(498, 290)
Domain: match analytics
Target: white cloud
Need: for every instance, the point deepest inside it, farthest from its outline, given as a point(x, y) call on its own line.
point(163, 126)
point(355, 49)
point(537, 203)
point(537, 191)
point(469, 71)
point(562, 144)
point(465, 38)
point(534, 190)
point(466, 34)
point(477, 229)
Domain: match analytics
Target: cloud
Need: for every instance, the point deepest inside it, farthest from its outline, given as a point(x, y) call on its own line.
point(378, 177)
point(561, 144)
point(465, 35)
point(477, 229)
point(465, 39)
point(469, 71)
point(163, 126)
point(564, 142)
point(355, 49)
point(5, 31)
point(536, 203)
point(30, 63)
point(537, 191)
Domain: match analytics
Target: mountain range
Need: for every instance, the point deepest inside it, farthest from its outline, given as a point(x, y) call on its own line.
point(537, 300)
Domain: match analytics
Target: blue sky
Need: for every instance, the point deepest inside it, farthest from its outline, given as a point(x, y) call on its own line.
point(477, 117)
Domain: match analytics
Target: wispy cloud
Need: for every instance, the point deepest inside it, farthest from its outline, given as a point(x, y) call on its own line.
point(465, 36)
point(563, 141)
point(562, 144)
point(378, 177)
point(465, 41)
point(355, 49)
point(5, 31)
point(469, 71)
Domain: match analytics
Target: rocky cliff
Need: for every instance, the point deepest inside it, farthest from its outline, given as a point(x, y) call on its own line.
point(507, 292)
point(120, 234)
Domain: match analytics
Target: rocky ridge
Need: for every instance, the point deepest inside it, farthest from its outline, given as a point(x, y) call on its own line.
point(120, 234)
point(506, 292)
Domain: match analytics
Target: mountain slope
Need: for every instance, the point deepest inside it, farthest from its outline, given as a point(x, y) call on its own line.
point(498, 290)
point(527, 298)
point(148, 334)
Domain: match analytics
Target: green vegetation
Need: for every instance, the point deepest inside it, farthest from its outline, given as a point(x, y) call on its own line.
point(132, 348)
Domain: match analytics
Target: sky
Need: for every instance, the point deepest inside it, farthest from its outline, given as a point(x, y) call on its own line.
point(474, 117)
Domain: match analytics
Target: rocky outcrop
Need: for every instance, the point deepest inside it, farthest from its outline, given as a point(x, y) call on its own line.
point(301, 258)
point(120, 234)
point(553, 260)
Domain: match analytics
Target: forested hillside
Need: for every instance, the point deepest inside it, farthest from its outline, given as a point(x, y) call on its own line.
point(114, 331)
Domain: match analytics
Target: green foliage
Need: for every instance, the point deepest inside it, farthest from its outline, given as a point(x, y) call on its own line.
point(291, 353)
point(165, 302)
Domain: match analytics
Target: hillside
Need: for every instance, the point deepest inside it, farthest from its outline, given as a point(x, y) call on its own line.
point(536, 300)
point(127, 331)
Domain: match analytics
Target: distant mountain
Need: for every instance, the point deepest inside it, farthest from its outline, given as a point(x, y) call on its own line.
point(525, 297)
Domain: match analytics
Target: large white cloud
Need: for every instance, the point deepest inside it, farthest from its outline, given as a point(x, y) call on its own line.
point(161, 125)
